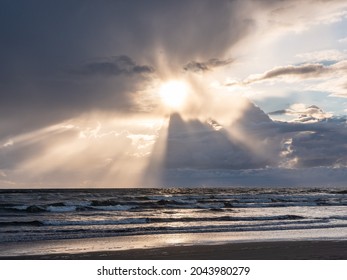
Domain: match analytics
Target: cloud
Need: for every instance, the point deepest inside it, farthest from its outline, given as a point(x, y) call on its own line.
point(314, 139)
point(115, 66)
point(302, 71)
point(304, 113)
point(106, 152)
point(194, 144)
point(40, 50)
point(328, 78)
point(50, 68)
point(323, 145)
point(343, 40)
point(100, 150)
point(194, 66)
point(2, 173)
point(314, 144)
point(323, 55)
point(299, 16)
point(53, 70)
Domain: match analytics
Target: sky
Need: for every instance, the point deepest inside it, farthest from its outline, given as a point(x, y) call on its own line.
point(173, 93)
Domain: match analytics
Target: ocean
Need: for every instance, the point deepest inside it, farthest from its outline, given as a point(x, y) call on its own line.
point(47, 215)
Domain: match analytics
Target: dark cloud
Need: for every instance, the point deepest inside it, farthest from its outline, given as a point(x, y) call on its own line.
point(321, 144)
point(118, 65)
point(193, 144)
point(194, 66)
point(314, 144)
point(254, 141)
point(36, 103)
point(43, 43)
point(314, 139)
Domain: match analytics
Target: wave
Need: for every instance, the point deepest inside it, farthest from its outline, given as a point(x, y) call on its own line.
point(162, 204)
point(112, 207)
point(146, 221)
point(61, 208)
point(69, 233)
point(96, 222)
point(236, 222)
point(21, 223)
point(57, 214)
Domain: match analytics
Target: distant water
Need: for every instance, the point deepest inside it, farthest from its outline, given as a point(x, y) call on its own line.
point(33, 215)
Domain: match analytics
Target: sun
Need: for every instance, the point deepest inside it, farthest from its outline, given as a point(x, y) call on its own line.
point(173, 94)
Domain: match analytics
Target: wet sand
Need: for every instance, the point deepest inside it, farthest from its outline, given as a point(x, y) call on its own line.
point(279, 250)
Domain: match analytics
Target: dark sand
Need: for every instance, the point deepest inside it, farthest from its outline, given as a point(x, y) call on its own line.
point(282, 250)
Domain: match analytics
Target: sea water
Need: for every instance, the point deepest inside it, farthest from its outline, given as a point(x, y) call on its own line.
point(69, 215)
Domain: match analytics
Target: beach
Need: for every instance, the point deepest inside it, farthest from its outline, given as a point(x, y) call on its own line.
point(278, 250)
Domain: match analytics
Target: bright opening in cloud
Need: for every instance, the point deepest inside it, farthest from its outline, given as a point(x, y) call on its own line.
point(173, 94)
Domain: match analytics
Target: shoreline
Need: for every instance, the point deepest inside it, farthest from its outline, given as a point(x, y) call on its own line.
point(268, 250)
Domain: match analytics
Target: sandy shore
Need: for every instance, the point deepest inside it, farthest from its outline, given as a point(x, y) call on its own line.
point(282, 250)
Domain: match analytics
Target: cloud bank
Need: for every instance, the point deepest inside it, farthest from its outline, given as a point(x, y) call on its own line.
point(67, 67)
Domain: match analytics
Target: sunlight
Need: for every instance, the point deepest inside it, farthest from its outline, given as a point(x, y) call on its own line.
point(83, 152)
point(173, 94)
